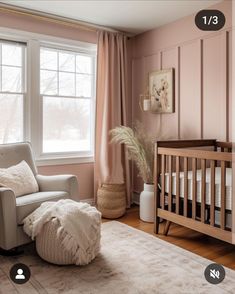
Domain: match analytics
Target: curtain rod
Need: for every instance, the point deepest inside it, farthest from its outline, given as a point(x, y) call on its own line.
point(49, 17)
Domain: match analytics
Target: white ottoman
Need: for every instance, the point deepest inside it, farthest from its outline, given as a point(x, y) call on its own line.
point(49, 246)
point(66, 231)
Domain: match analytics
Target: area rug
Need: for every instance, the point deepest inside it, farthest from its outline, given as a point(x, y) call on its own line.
point(130, 262)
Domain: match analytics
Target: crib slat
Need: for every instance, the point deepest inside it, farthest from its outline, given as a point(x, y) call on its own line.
point(212, 206)
point(223, 191)
point(203, 189)
point(170, 184)
point(185, 186)
point(230, 163)
point(177, 185)
point(163, 183)
point(194, 180)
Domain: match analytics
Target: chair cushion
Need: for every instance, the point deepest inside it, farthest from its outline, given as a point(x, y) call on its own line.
point(28, 203)
point(19, 178)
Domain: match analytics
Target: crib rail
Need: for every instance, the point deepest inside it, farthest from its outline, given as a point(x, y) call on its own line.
point(180, 162)
point(224, 146)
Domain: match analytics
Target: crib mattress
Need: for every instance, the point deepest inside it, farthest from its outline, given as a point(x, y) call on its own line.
point(228, 198)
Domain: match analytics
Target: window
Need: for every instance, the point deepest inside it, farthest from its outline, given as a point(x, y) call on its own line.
point(47, 96)
point(12, 91)
point(66, 88)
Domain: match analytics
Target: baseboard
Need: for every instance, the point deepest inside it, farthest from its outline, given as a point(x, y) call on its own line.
point(136, 198)
point(90, 201)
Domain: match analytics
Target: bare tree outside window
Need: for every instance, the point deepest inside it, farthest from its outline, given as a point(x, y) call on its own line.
point(64, 105)
point(66, 90)
point(12, 69)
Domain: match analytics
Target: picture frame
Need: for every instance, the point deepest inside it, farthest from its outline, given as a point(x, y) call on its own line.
point(161, 91)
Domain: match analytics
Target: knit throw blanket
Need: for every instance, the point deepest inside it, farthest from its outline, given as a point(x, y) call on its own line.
point(79, 230)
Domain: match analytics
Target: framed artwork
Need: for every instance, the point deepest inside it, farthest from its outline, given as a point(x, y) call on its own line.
point(161, 91)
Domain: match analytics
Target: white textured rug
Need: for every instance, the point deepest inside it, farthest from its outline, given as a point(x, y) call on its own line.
point(130, 262)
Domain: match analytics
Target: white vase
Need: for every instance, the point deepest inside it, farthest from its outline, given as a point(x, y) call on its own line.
point(147, 203)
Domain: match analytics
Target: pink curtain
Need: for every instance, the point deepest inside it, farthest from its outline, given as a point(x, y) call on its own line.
point(111, 162)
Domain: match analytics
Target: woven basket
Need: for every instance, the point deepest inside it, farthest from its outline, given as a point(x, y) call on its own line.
point(111, 200)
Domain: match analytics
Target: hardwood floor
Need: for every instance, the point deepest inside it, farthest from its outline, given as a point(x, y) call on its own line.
point(203, 245)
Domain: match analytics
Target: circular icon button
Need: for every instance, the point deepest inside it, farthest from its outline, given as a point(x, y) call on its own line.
point(20, 273)
point(214, 273)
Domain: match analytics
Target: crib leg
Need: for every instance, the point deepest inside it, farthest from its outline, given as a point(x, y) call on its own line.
point(156, 225)
point(166, 228)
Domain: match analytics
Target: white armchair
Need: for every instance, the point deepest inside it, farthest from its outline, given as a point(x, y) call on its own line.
point(13, 210)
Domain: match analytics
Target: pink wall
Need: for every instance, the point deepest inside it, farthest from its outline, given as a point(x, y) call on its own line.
point(84, 172)
point(35, 25)
point(202, 63)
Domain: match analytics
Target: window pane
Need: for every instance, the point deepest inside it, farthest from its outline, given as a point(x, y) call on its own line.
point(83, 64)
point(83, 85)
point(66, 125)
point(11, 79)
point(48, 59)
point(11, 118)
point(66, 84)
point(48, 82)
point(67, 62)
point(11, 55)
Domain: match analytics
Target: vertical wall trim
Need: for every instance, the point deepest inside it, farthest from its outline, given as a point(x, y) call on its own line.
point(178, 90)
point(201, 87)
point(132, 88)
point(132, 110)
point(160, 60)
point(160, 68)
point(144, 75)
point(225, 79)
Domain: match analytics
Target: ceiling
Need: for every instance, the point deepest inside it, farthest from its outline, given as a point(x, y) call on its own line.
point(130, 16)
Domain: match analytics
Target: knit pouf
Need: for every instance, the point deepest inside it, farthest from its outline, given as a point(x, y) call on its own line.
point(49, 246)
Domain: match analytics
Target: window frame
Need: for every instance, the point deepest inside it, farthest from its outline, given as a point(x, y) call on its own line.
point(23, 92)
point(33, 101)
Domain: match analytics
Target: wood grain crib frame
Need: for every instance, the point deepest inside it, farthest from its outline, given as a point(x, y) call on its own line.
point(200, 202)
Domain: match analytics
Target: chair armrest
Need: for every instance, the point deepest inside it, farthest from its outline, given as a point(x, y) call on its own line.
point(8, 223)
point(67, 183)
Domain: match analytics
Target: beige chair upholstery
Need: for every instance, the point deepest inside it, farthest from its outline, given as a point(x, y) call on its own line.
point(13, 210)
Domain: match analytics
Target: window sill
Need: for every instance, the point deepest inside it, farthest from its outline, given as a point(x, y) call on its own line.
point(64, 160)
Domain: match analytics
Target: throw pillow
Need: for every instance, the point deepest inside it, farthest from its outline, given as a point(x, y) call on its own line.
point(19, 178)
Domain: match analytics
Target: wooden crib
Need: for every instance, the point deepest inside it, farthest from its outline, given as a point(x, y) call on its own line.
point(193, 186)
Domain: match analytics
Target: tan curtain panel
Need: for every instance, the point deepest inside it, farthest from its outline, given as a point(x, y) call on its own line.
point(111, 162)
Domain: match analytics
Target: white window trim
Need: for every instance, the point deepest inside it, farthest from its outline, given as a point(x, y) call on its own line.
point(33, 111)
